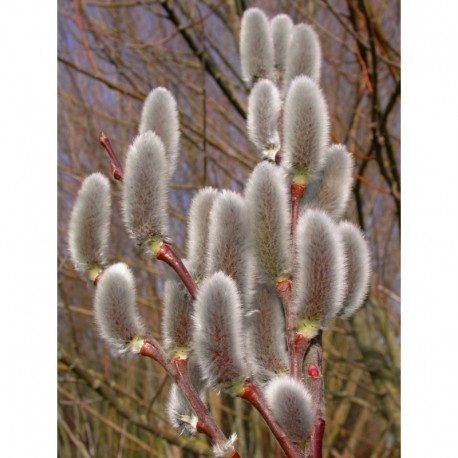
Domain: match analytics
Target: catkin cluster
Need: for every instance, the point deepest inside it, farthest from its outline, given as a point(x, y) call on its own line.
point(238, 330)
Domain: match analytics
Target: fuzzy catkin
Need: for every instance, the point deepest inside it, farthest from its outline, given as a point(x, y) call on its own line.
point(331, 191)
point(144, 194)
point(266, 332)
point(305, 128)
point(218, 338)
point(198, 228)
point(304, 55)
point(227, 240)
point(291, 405)
point(177, 314)
point(115, 308)
point(160, 115)
point(256, 46)
point(90, 223)
point(266, 196)
point(281, 27)
point(320, 268)
point(262, 118)
point(357, 272)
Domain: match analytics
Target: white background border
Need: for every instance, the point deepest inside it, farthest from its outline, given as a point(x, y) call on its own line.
point(28, 233)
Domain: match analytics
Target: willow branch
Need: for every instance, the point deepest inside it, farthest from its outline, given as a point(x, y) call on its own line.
point(177, 369)
point(116, 167)
point(315, 385)
point(284, 290)
point(167, 254)
point(253, 395)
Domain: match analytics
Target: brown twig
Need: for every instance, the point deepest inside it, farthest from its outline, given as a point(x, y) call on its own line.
point(225, 85)
point(108, 83)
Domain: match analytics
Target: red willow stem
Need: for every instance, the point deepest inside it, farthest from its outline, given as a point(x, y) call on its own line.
point(207, 423)
point(316, 440)
point(297, 343)
point(154, 351)
point(177, 369)
point(284, 290)
point(116, 167)
point(253, 395)
point(297, 191)
point(315, 385)
point(167, 254)
point(301, 344)
point(202, 428)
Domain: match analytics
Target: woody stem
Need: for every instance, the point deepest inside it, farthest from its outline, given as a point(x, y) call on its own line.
point(177, 369)
point(284, 290)
point(297, 191)
point(301, 345)
point(116, 167)
point(315, 385)
point(253, 394)
point(167, 254)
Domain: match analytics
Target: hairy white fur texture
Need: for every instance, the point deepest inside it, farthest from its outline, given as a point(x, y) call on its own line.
point(176, 317)
point(291, 405)
point(304, 55)
point(281, 27)
point(180, 413)
point(331, 191)
point(223, 450)
point(218, 337)
point(144, 192)
point(267, 201)
point(160, 115)
point(320, 270)
point(305, 128)
point(227, 244)
point(115, 308)
point(262, 120)
point(90, 223)
point(266, 332)
point(198, 228)
point(256, 46)
point(358, 270)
